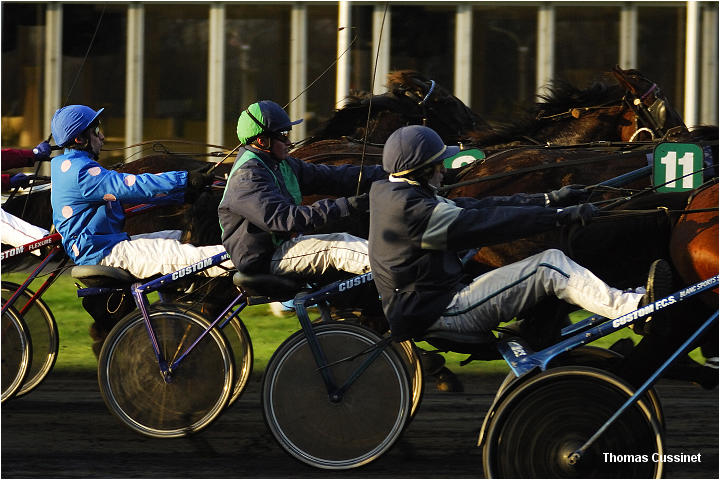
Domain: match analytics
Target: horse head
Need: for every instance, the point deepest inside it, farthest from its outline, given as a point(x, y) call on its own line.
point(439, 109)
point(650, 111)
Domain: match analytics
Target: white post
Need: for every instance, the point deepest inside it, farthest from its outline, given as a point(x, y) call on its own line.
point(381, 25)
point(134, 76)
point(298, 69)
point(53, 62)
point(709, 87)
point(690, 112)
point(216, 75)
point(342, 82)
point(628, 36)
point(463, 53)
point(545, 69)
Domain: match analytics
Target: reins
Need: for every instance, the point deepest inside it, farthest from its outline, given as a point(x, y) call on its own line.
point(536, 168)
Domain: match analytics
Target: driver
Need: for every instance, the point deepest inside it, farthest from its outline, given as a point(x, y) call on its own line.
point(415, 235)
point(87, 202)
point(265, 226)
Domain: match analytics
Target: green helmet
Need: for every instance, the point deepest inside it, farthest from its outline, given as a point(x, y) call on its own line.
point(263, 117)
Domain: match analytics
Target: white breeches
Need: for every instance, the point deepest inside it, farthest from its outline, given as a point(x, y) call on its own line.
point(313, 255)
point(16, 231)
point(155, 253)
point(502, 294)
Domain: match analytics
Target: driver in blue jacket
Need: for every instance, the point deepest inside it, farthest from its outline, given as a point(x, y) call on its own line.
point(87, 202)
point(415, 235)
point(265, 226)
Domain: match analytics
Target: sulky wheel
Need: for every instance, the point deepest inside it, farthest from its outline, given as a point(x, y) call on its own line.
point(545, 419)
point(239, 341)
point(335, 433)
point(588, 356)
point(134, 389)
point(408, 353)
point(16, 353)
point(42, 329)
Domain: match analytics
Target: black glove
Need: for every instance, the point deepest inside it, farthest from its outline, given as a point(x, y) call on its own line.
point(577, 214)
point(198, 180)
point(568, 195)
point(359, 204)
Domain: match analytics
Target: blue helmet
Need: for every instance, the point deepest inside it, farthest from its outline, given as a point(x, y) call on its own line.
point(263, 117)
point(70, 121)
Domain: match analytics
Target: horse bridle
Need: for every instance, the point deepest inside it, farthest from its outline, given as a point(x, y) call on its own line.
point(654, 116)
point(426, 108)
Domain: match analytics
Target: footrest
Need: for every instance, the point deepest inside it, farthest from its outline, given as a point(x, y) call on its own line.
point(270, 288)
point(101, 275)
point(517, 354)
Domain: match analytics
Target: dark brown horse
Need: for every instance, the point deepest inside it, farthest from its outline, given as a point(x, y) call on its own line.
point(566, 115)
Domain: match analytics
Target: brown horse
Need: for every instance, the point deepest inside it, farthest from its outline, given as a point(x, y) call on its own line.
point(694, 240)
point(566, 115)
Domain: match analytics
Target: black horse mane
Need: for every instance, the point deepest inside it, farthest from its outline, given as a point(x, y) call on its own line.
point(560, 97)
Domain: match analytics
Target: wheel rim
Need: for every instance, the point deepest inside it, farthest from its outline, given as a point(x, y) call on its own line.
point(16, 353)
point(42, 329)
point(135, 391)
point(409, 355)
point(543, 421)
point(239, 341)
point(335, 435)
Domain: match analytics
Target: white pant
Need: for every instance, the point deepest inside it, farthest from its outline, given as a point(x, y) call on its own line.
point(16, 231)
point(313, 255)
point(502, 294)
point(155, 253)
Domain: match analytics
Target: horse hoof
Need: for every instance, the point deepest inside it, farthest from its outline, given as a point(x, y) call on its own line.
point(446, 381)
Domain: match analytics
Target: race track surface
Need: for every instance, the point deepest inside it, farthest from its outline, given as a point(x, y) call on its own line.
point(63, 430)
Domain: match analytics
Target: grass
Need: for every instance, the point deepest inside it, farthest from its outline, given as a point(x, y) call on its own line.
point(266, 331)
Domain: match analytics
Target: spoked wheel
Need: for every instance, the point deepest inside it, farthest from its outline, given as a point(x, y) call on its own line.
point(595, 357)
point(16, 353)
point(545, 419)
point(239, 341)
point(42, 329)
point(336, 433)
point(134, 389)
point(408, 353)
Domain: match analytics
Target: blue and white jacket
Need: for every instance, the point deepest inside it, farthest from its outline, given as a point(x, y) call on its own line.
point(87, 202)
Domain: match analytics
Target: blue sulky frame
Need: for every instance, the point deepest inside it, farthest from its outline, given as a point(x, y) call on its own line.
point(522, 359)
point(140, 292)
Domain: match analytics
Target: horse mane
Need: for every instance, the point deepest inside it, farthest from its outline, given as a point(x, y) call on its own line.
point(560, 97)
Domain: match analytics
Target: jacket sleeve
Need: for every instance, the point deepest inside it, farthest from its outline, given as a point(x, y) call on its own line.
point(336, 180)
point(14, 158)
point(518, 199)
point(98, 184)
point(252, 193)
point(451, 227)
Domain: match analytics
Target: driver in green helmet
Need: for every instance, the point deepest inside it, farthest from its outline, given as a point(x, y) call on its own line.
point(265, 226)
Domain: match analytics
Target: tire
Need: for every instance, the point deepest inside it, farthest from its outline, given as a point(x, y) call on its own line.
point(546, 418)
point(348, 433)
point(42, 329)
point(408, 353)
point(594, 357)
point(16, 353)
point(239, 341)
point(134, 389)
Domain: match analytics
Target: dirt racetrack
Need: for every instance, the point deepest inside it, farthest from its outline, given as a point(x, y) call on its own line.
point(63, 430)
